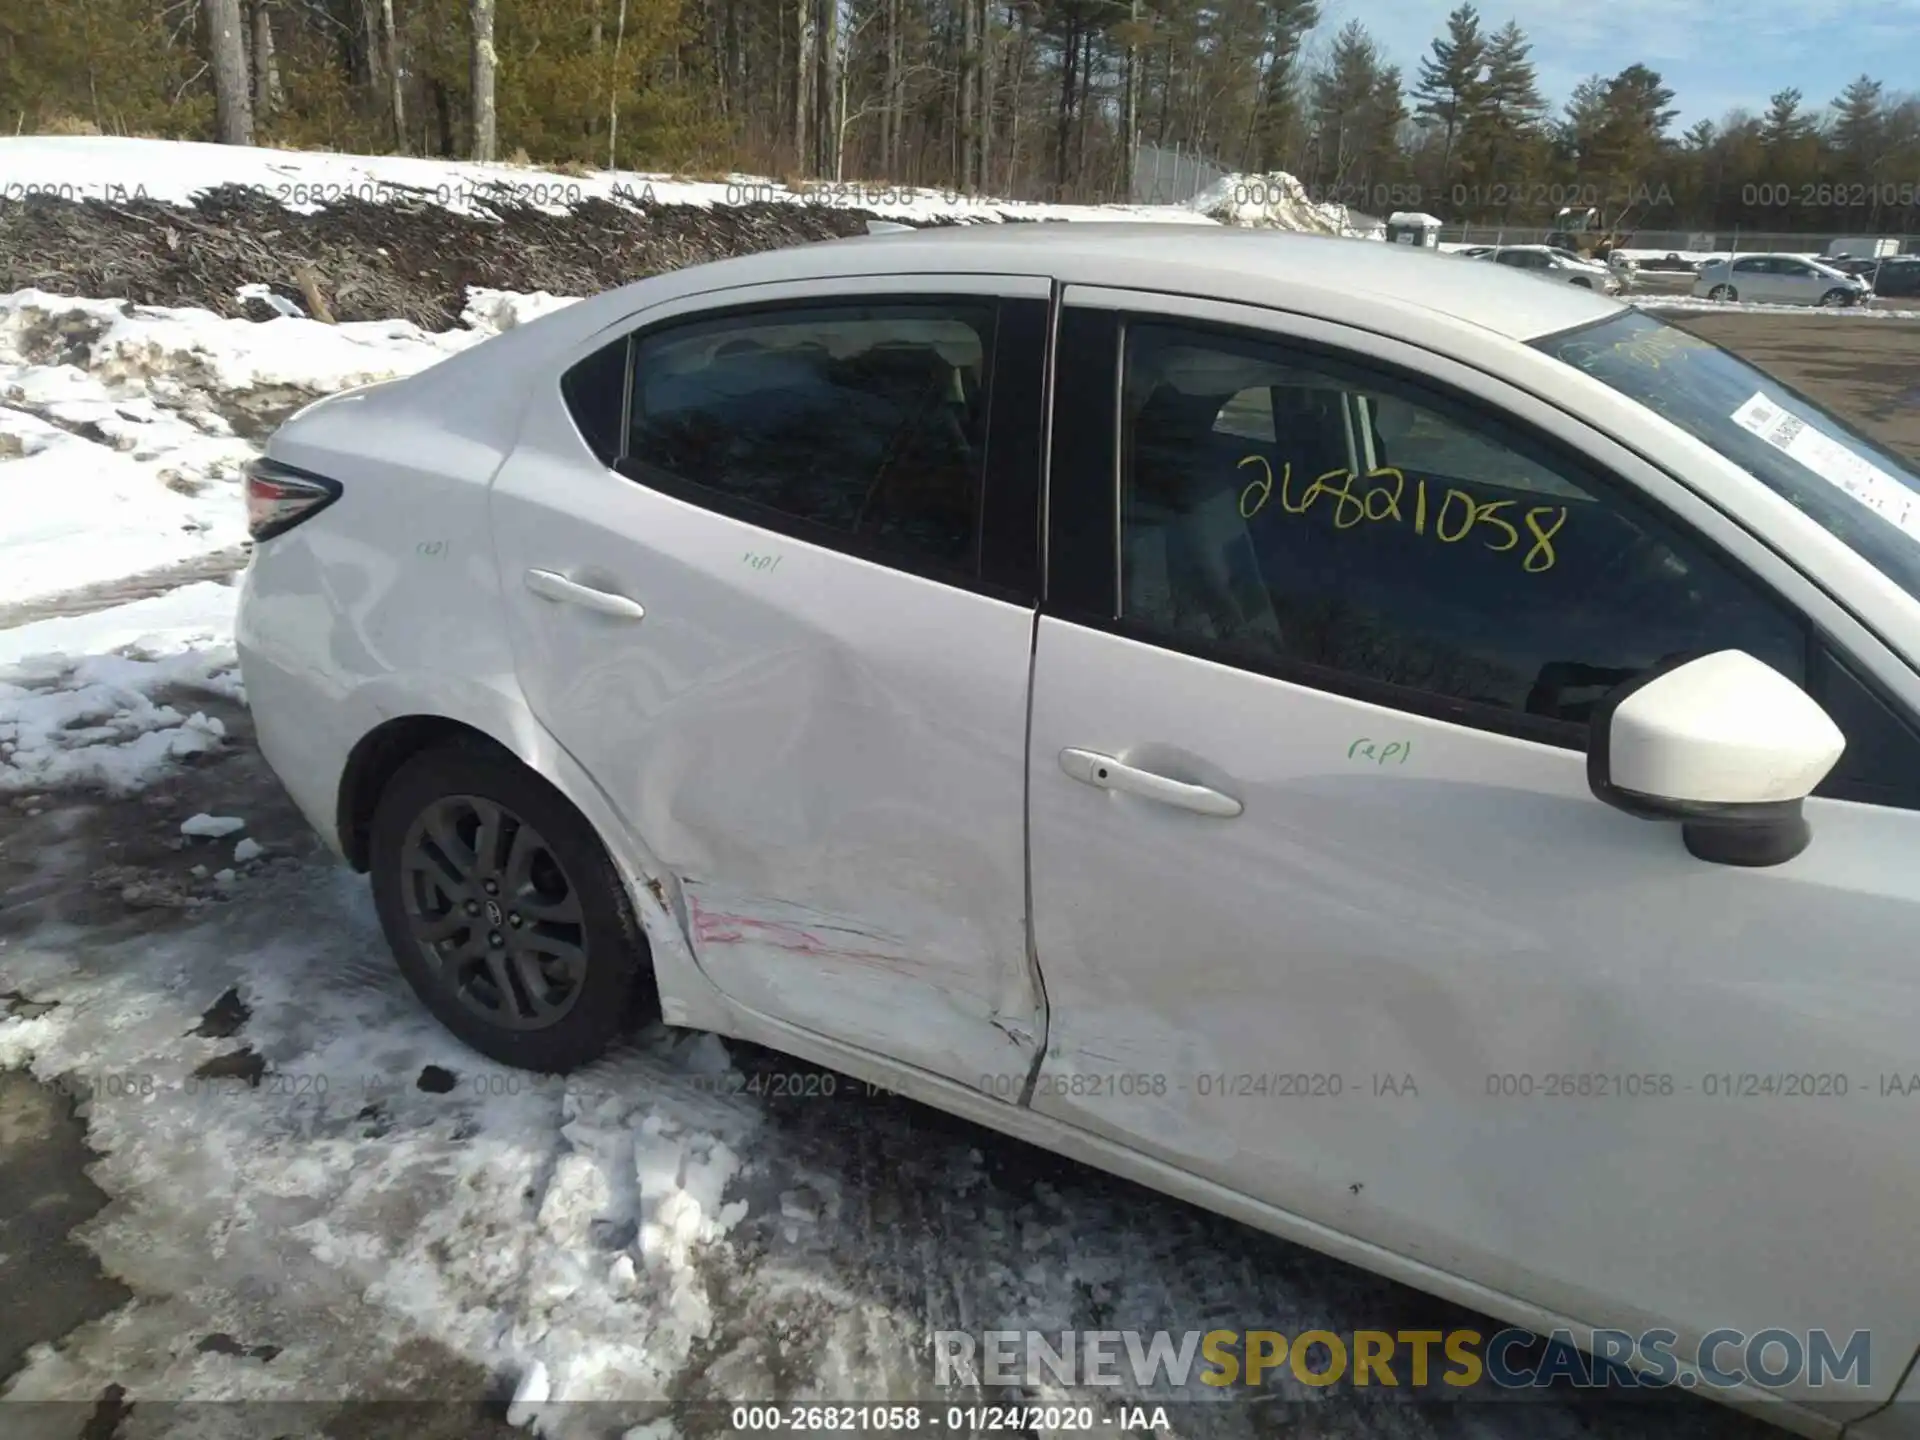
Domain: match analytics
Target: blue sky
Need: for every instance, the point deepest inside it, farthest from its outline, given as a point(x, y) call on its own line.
point(1712, 56)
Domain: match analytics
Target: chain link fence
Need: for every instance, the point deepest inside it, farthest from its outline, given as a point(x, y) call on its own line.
point(1679, 241)
point(1163, 176)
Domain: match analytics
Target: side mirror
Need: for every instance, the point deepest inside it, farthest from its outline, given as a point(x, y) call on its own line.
point(1722, 743)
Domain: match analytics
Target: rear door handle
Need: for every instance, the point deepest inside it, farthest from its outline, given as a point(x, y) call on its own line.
point(1106, 773)
point(557, 587)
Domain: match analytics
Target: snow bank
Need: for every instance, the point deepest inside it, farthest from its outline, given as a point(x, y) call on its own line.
point(1271, 201)
point(495, 310)
point(124, 429)
point(94, 721)
point(182, 619)
point(107, 167)
point(1651, 301)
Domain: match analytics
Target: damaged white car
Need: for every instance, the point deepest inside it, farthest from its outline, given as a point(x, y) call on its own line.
point(1419, 760)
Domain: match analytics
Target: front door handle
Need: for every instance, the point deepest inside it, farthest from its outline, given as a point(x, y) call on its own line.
point(1106, 773)
point(568, 592)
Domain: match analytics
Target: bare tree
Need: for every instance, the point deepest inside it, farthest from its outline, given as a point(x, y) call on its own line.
point(395, 90)
point(232, 105)
point(983, 166)
point(826, 126)
point(268, 96)
point(484, 61)
point(1130, 112)
point(613, 91)
point(803, 98)
point(969, 81)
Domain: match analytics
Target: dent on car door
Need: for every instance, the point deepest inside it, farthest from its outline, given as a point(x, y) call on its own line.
point(824, 504)
point(1326, 909)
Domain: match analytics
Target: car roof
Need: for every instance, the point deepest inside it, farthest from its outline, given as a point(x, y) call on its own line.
point(1365, 282)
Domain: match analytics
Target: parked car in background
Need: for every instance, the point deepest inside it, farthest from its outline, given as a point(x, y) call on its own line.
point(1671, 263)
point(1779, 280)
point(1898, 275)
point(1550, 263)
point(1888, 275)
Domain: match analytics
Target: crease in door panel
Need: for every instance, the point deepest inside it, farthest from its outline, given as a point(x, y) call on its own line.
point(1036, 977)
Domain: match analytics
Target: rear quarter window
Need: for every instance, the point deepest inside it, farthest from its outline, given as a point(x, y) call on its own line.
point(595, 391)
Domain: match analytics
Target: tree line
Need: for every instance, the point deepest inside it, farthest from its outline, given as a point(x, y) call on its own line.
point(1020, 99)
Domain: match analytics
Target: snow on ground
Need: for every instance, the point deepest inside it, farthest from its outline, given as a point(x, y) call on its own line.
point(102, 720)
point(490, 311)
point(107, 167)
point(1274, 201)
point(124, 428)
point(189, 617)
point(1689, 302)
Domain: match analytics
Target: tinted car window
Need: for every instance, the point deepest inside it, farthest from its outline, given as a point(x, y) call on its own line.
point(594, 390)
point(1439, 553)
point(867, 422)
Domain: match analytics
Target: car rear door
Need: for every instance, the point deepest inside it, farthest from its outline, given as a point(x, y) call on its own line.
point(1326, 910)
point(771, 556)
point(1753, 279)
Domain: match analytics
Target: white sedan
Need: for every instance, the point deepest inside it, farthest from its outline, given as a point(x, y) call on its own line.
point(1548, 262)
point(1424, 762)
point(1779, 280)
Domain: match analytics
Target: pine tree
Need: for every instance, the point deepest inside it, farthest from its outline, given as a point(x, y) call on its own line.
point(1451, 82)
point(1504, 131)
point(1785, 123)
point(1277, 119)
point(1859, 124)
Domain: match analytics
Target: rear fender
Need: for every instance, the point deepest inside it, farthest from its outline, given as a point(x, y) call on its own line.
point(687, 997)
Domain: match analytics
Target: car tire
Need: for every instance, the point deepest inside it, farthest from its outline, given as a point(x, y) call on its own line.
point(1582, 282)
point(532, 954)
point(1723, 292)
point(1835, 298)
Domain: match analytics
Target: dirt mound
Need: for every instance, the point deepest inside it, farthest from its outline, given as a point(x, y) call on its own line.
point(360, 260)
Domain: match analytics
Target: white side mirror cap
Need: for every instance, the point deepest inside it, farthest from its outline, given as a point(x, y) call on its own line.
point(1723, 743)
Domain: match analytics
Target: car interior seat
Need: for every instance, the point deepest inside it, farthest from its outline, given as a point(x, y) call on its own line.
point(1189, 561)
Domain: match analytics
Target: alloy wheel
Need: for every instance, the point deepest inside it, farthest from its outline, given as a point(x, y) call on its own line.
point(494, 913)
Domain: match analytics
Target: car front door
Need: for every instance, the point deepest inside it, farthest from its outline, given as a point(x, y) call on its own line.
point(1327, 912)
point(770, 564)
point(1800, 283)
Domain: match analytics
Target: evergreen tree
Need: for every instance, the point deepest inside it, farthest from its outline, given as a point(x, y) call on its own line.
point(1451, 82)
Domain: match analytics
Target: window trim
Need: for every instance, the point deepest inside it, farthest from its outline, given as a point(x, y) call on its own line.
point(1005, 559)
point(1094, 496)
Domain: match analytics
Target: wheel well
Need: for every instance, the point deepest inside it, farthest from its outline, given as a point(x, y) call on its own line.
point(380, 753)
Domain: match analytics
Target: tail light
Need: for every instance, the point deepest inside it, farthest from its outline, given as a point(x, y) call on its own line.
point(280, 496)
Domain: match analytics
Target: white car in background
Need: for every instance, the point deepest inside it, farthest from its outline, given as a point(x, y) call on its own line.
point(1549, 262)
point(1779, 280)
point(1422, 762)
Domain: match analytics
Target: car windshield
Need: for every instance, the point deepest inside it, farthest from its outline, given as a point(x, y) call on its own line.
point(1860, 492)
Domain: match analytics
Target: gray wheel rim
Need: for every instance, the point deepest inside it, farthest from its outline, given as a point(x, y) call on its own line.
point(495, 915)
